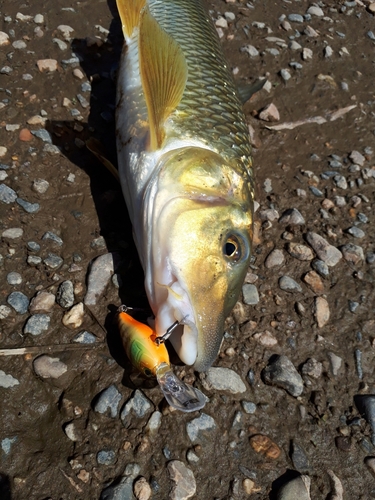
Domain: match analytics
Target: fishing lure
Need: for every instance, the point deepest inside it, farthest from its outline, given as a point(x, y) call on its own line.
point(149, 355)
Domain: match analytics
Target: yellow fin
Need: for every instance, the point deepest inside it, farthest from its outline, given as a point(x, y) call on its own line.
point(163, 72)
point(96, 147)
point(129, 11)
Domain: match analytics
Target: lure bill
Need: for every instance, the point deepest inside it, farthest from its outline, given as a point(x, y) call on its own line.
point(152, 359)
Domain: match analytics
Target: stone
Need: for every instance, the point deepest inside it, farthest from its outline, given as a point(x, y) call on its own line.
point(313, 280)
point(19, 45)
point(71, 432)
point(337, 491)
point(249, 407)
point(320, 267)
point(357, 158)
point(370, 461)
point(324, 250)
point(7, 381)
point(33, 260)
point(5, 311)
point(312, 368)
point(49, 65)
point(40, 186)
point(37, 324)
point(184, 485)
point(200, 428)
point(300, 252)
point(266, 339)
point(14, 278)
point(108, 401)
point(123, 489)
point(99, 276)
point(299, 457)
point(307, 54)
point(47, 367)
point(137, 406)
point(65, 30)
point(289, 285)
point(142, 489)
point(250, 487)
point(296, 18)
point(30, 208)
point(274, 259)
point(18, 301)
point(264, 445)
point(292, 216)
point(3, 151)
point(250, 294)
point(84, 338)
point(154, 423)
point(43, 302)
point(366, 406)
point(7, 194)
point(251, 50)
point(39, 19)
point(33, 246)
point(74, 317)
point(321, 311)
point(4, 39)
point(315, 11)
point(356, 232)
point(281, 372)
point(222, 379)
point(296, 489)
point(25, 135)
point(65, 294)
point(270, 113)
point(49, 235)
point(53, 261)
point(106, 457)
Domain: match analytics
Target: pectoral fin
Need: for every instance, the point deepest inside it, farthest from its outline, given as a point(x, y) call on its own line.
point(130, 11)
point(163, 72)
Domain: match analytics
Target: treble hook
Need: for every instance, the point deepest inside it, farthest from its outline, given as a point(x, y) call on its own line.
point(169, 331)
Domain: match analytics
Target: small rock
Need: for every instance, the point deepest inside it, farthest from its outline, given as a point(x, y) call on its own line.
point(285, 75)
point(4, 39)
point(221, 23)
point(325, 251)
point(71, 432)
point(312, 368)
point(100, 274)
point(19, 302)
point(295, 18)
point(142, 489)
point(19, 45)
point(313, 280)
point(122, 490)
point(270, 113)
point(357, 158)
point(281, 372)
point(264, 445)
point(296, 489)
point(184, 486)
point(250, 294)
point(14, 278)
point(5, 311)
point(192, 457)
point(40, 186)
point(49, 235)
point(335, 362)
point(74, 317)
point(300, 252)
point(320, 267)
point(200, 428)
point(222, 379)
point(292, 216)
point(42, 302)
point(84, 338)
point(39, 19)
point(53, 261)
point(265, 339)
point(299, 458)
point(49, 65)
point(356, 232)
point(3, 151)
point(309, 31)
point(30, 208)
point(7, 194)
point(7, 381)
point(340, 181)
point(109, 399)
point(250, 487)
point(289, 285)
point(37, 324)
point(294, 45)
point(154, 423)
point(274, 259)
point(33, 260)
point(47, 367)
point(25, 135)
point(138, 405)
point(322, 313)
point(315, 11)
point(251, 50)
point(66, 31)
point(337, 491)
point(65, 294)
point(42, 134)
point(106, 457)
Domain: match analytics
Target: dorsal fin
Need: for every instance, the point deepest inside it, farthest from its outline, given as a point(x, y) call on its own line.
point(163, 72)
point(130, 11)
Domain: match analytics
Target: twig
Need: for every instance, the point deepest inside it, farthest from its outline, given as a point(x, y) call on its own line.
point(19, 351)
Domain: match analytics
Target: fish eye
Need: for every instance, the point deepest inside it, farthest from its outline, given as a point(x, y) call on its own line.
point(232, 248)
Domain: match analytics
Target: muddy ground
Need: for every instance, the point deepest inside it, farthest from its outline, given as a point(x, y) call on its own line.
point(37, 459)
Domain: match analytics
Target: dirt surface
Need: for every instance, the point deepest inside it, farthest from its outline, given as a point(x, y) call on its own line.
point(37, 458)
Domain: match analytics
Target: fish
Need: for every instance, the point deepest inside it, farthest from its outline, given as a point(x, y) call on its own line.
point(185, 167)
point(150, 357)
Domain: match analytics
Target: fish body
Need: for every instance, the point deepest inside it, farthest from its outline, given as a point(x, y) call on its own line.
point(185, 169)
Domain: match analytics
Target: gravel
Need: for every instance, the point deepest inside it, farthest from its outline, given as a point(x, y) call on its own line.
point(19, 302)
point(281, 372)
point(137, 406)
point(47, 367)
point(184, 486)
point(108, 401)
point(7, 381)
point(37, 324)
point(288, 284)
point(250, 294)
point(222, 379)
point(65, 295)
point(200, 428)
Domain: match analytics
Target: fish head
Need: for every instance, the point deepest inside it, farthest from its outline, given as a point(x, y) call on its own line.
point(201, 249)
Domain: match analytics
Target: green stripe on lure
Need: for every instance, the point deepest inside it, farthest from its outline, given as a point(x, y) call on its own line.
point(150, 356)
point(185, 168)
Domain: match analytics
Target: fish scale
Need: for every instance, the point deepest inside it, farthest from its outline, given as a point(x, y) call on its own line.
point(210, 108)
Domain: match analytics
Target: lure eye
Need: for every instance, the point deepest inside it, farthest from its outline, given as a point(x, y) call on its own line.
point(147, 372)
point(234, 248)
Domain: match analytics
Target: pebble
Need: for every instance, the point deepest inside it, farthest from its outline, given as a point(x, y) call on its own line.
point(30, 208)
point(289, 285)
point(84, 338)
point(292, 216)
point(250, 294)
point(264, 445)
point(250, 487)
point(3, 175)
point(106, 457)
point(138, 405)
point(313, 280)
point(281, 372)
point(49, 65)
point(33, 260)
point(7, 381)
point(25, 135)
point(312, 368)
point(249, 407)
point(19, 302)
point(324, 250)
point(65, 30)
point(61, 45)
point(339, 201)
point(42, 302)
point(39, 19)
point(4, 39)
point(265, 339)
point(47, 367)
point(154, 423)
point(12, 233)
point(108, 401)
point(184, 485)
point(14, 278)
point(294, 45)
point(340, 181)
point(37, 324)
point(356, 232)
point(270, 113)
point(99, 276)
point(337, 491)
point(285, 74)
point(49, 235)
point(274, 259)
point(40, 186)
point(316, 192)
point(321, 310)
point(142, 489)
point(307, 54)
point(300, 252)
point(5, 311)
point(251, 50)
point(222, 379)
point(123, 489)
point(65, 294)
point(3, 151)
point(200, 428)
point(53, 261)
point(42, 134)
point(74, 317)
point(366, 406)
point(309, 31)
point(191, 457)
point(7, 194)
point(296, 18)
point(296, 489)
point(19, 45)
point(6, 445)
point(370, 461)
point(269, 215)
point(320, 267)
